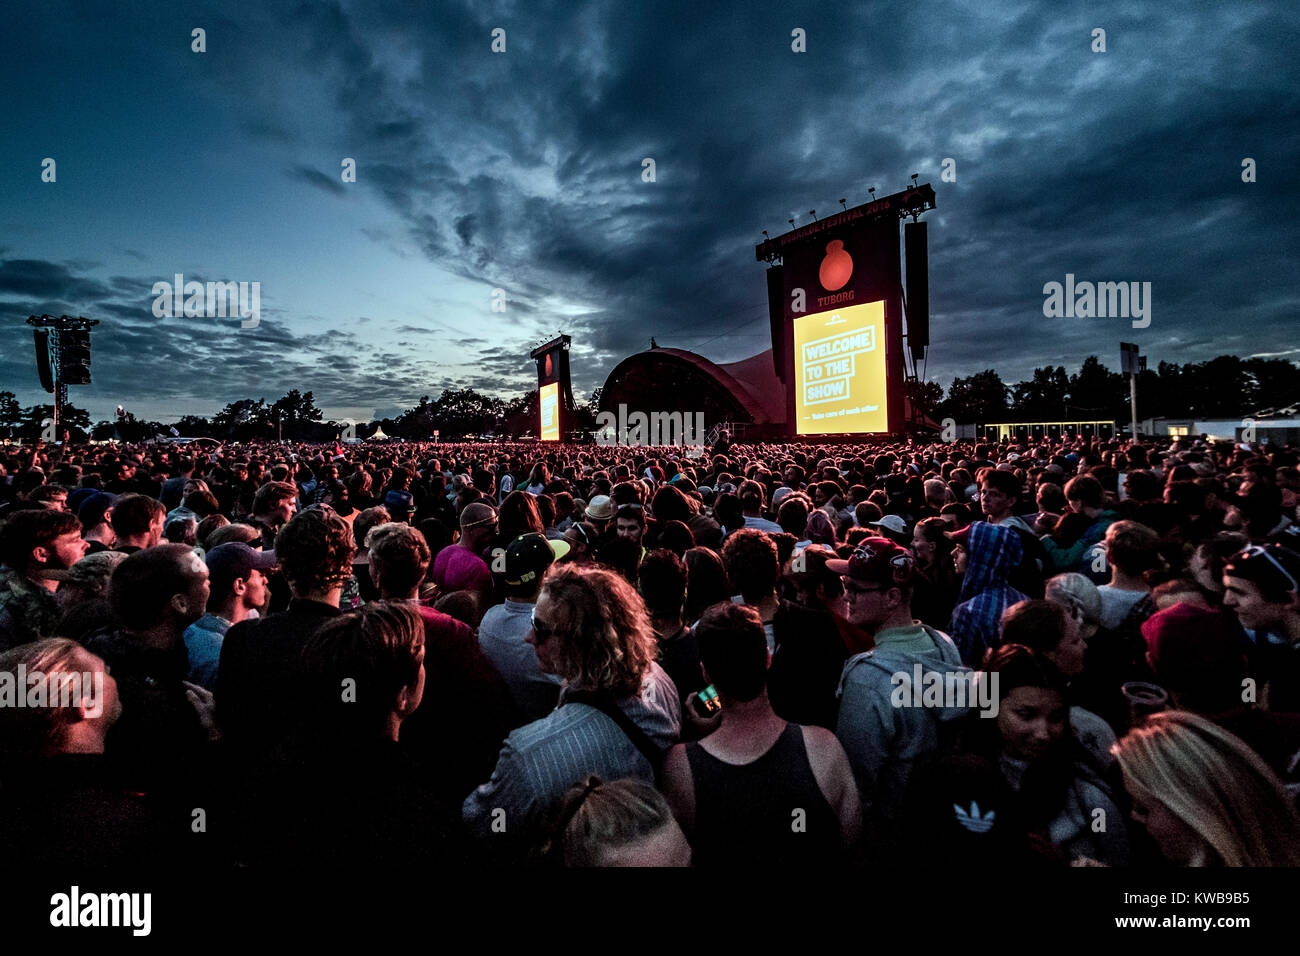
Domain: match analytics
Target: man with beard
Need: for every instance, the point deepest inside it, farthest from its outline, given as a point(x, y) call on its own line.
point(238, 590)
point(33, 545)
point(154, 595)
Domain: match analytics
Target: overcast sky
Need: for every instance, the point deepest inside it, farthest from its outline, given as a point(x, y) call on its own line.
point(522, 171)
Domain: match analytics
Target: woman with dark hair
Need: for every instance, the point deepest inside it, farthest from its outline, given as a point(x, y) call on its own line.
point(727, 511)
point(676, 537)
point(361, 489)
point(1065, 793)
point(669, 504)
point(538, 478)
point(706, 583)
point(937, 585)
point(519, 515)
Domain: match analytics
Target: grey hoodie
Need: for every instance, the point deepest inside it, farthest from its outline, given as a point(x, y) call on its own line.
point(883, 741)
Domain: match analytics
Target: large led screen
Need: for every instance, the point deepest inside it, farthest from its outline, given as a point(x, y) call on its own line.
point(550, 403)
point(839, 371)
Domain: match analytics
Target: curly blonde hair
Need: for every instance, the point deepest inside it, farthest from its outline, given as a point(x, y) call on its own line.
point(604, 638)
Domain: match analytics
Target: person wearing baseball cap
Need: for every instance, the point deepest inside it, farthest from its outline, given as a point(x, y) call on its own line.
point(884, 741)
point(1262, 585)
point(238, 590)
point(399, 503)
point(893, 527)
point(528, 557)
point(503, 628)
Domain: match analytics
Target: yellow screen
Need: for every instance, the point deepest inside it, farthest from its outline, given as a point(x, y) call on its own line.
point(550, 401)
point(840, 371)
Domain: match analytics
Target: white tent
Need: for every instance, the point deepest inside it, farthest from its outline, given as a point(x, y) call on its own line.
point(378, 435)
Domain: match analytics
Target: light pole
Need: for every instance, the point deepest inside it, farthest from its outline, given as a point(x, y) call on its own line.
point(1130, 364)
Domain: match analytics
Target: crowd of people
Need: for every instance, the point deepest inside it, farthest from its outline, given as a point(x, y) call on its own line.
point(1078, 652)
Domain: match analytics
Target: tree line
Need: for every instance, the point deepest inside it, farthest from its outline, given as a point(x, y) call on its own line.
point(1223, 387)
point(456, 413)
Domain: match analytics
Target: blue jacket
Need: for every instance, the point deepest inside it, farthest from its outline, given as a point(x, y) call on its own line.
point(992, 551)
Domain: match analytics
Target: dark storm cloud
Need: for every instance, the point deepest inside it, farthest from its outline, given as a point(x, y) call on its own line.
point(314, 177)
point(523, 171)
point(1122, 165)
point(36, 277)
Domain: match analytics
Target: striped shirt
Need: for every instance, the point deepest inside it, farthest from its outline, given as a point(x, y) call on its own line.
point(541, 760)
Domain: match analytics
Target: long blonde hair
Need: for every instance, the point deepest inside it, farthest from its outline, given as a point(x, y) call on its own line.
point(605, 639)
point(1215, 784)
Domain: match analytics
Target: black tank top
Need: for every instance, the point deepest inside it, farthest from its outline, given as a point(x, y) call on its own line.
point(764, 813)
